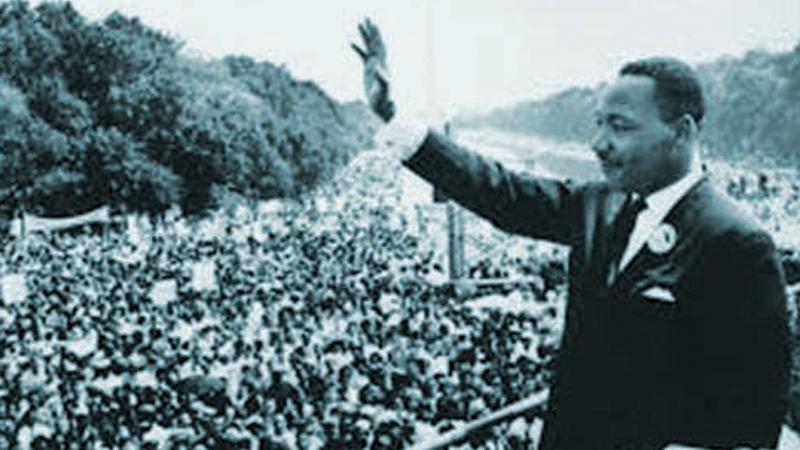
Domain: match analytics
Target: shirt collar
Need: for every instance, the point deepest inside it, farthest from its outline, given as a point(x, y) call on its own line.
point(665, 198)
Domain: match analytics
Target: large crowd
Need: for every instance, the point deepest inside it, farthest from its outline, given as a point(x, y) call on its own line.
point(771, 196)
point(318, 330)
point(314, 328)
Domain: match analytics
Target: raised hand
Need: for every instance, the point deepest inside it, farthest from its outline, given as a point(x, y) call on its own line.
point(376, 74)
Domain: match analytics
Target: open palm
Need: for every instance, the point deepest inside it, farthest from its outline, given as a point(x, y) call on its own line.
point(376, 73)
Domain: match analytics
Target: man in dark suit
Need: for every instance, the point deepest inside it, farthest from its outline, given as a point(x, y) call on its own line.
point(676, 330)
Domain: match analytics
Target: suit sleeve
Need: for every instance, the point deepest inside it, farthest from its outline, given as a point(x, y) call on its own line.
point(517, 203)
point(743, 350)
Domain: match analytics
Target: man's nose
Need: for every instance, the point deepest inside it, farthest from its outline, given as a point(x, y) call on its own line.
point(600, 143)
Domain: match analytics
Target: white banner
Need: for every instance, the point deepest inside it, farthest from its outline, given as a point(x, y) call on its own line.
point(36, 223)
point(203, 276)
point(14, 288)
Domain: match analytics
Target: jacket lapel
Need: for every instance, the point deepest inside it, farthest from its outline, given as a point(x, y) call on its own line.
point(600, 252)
point(680, 217)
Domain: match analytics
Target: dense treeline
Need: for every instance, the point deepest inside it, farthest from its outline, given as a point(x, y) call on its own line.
point(111, 111)
point(753, 110)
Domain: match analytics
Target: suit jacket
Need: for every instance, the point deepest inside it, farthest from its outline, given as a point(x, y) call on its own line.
point(710, 368)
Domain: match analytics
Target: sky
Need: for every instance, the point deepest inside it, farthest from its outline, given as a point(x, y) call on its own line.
point(453, 56)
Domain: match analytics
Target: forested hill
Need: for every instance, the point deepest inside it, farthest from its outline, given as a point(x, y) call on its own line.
point(115, 112)
point(753, 110)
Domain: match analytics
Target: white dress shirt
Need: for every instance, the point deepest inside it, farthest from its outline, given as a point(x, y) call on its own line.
point(659, 204)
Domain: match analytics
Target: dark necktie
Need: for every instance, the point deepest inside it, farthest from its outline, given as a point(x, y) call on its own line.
point(621, 231)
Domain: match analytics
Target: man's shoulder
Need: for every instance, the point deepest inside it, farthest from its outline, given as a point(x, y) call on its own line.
point(722, 219)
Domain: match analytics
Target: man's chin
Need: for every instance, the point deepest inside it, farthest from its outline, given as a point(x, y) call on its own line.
point(617, 184)
point(611, 179)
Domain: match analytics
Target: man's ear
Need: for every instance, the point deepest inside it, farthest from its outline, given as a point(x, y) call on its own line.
point(685, 128)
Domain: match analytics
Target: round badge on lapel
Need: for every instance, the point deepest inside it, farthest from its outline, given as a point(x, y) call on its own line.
point(663, 239)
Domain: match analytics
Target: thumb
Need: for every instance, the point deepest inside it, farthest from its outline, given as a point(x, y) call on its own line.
point(362, 53)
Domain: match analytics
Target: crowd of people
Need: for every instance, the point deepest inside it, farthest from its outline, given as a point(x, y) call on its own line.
point(316, 328)
point(319, 330)
point(772, 196)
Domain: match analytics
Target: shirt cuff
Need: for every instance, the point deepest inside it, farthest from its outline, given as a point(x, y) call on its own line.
point(404, 135)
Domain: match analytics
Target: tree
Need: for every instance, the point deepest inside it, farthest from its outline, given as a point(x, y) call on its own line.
point(110, 112)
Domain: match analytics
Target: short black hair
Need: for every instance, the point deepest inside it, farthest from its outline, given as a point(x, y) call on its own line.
point(678, 90)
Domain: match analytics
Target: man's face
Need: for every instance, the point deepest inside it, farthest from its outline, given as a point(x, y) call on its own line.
point(632, 142)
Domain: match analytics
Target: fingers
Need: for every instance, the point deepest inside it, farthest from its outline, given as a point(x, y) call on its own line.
point(376, 42)
point(362, 53)
point(362, 29)
point(373, 43)
point(376, 77)
point(369, 32)
point(370, 29)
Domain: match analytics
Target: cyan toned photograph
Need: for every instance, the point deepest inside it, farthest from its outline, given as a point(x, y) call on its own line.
point(416, 225)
